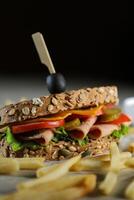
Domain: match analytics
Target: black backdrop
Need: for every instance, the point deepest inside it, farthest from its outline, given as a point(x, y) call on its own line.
point(94, 39)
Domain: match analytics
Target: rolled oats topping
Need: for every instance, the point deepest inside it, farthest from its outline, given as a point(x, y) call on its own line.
point(50, 108)
point(72, 148)
point(111, 91)
point(70, 105)
point(54, 101)
point(11, 112)
point(81, 96)
point(26, 110)
point(101, 90)
point(37, 101)
point(34, 110)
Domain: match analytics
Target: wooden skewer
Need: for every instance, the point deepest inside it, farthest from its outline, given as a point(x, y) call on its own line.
point(42, 50)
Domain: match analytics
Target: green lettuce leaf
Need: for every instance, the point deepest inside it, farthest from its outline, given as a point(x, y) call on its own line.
point(31, 145)
point(83, 141)
point(61, 135)
point(61, 130)
point(17, 145)
point(121, 132)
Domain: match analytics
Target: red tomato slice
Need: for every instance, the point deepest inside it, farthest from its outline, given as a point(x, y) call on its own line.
point(35, 126)
point(122, 118)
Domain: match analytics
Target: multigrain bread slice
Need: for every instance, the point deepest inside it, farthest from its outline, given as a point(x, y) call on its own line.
point(61, 150)
point(46, 105)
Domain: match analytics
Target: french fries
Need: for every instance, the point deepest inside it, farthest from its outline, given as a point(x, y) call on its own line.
point(66, 182)
point(118, 161)
point(63, 195)
point(62, 167)
point(86, 164)
point(131, 147)
point(8, 166)
point(109, 183)
point(115, 157)
point(30, 163)
point(68, 187)
point(130, 162)
point(67, 194)
point(125, 155)
point(103, 162)
point(129, 192)
point(53, 173)
point(103, 157)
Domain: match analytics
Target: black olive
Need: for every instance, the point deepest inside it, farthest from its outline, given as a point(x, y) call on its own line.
point(56, 83)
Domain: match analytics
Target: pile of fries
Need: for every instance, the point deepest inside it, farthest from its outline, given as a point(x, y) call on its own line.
point(62, 180)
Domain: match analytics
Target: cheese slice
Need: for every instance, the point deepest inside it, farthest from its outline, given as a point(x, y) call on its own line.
point(58, 116)
point(96, 111)
point(89, 112)
point(85, 112)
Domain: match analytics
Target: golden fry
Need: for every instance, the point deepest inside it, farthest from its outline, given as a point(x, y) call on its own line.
point(67, 181)
point(103, 157)
point(129, 192)
point(109, 183)
point(131, 147)
point(30, 163)
point(55, 172)
point(86, 164)
point(4, 197)
point(61, 168)
point(130, 162)
point(67, 194)
point(125, 155)
point(115, 157)
point(8, 165)
point(80, 187)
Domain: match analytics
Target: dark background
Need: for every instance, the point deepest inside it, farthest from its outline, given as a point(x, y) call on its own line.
point(94, 39)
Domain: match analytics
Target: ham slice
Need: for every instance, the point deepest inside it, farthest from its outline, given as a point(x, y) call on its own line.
point(102, 130)
point(47, 135)
point(82, 130)
point(44, 134)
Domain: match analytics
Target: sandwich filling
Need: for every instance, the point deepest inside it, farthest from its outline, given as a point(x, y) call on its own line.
point(79, 127)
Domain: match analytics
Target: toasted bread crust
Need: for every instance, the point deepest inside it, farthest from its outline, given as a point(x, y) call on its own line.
point(55, 103)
